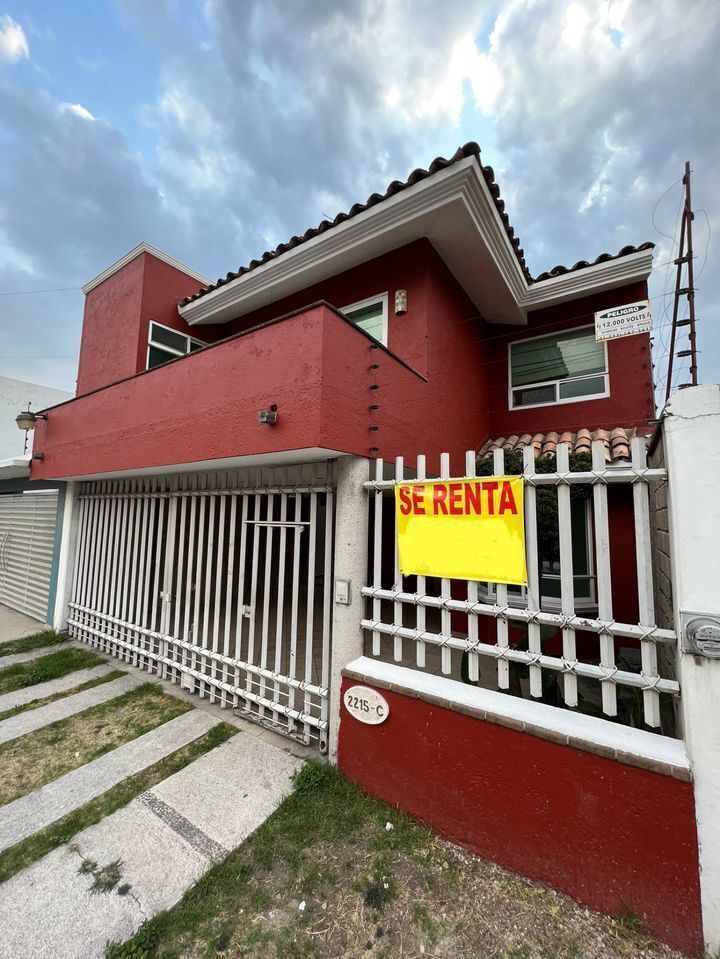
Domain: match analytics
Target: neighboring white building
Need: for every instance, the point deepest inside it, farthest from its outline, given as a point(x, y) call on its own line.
point(14, 397)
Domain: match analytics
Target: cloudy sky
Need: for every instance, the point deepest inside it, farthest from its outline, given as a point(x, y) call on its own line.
point(218, 128)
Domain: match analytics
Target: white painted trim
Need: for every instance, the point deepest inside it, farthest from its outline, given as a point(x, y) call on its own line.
point(557, 402)
point(66, 559)
point(459, 191)
point(15, 467)
point(371, 301)
point(136, 251)
point(594, 732)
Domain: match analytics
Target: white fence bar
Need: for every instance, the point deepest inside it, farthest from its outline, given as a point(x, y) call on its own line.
point(533, 572)
point(377, 552)
point(604, 582)
point(646, 600)
point(501, 592)
point(397, 576)
point(445, 591)
point(567, 581)
point(472, 592)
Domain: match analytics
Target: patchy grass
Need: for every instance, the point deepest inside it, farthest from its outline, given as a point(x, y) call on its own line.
point(325, 877)
point(46, 668)
point(48, 637)
point(35, 847)
point(115, 674)
point(45, 754)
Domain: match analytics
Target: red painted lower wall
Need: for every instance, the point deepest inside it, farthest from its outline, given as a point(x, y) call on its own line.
point(611, 835)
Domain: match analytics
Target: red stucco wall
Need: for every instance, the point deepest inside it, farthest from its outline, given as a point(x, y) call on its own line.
point(611, 835)
point(117, 316)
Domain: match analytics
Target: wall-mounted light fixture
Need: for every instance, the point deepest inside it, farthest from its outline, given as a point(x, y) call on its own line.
point(400, 302)
point(26, 420)
point(269, 416)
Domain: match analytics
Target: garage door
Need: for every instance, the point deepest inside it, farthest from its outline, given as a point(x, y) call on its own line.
point(27, 535)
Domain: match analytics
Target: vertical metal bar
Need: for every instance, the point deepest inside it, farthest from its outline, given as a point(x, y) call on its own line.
point(267, 577)
point(377, 556)
point(445, 592)
point(327, 601)
point(80, 560)
point(200, 555)
point(240, 615)
point(129, 613)
point(207, 599)
point(212, 667)
point(692, 336)
point(567, 581)
point(188, 633)
point(280, 602)
point(533, 572)
point(157, 602)
point(294, 606)
point(646, 601)
point(397, 577)
point(97, 559)
point(140, 587)
point(604, 580)
point(472, 589)
point(310, 610)
point(168, 575)
point(124, 563)
point(147, 578)
point(421, 586)
point(179, 602)
point(230, 577)
point(110, 561)
point(501, 594)
point(253, 595)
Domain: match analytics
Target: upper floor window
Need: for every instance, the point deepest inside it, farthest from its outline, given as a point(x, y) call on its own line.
point(370, 315)
point(560, 368)
point(165, 344)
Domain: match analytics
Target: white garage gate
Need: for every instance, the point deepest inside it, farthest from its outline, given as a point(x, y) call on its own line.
point(27, 537)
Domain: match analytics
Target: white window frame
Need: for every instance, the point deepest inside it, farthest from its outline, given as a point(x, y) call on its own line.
point(371, 301)
point(167, 349)
point(555, 383)
point(584, 604)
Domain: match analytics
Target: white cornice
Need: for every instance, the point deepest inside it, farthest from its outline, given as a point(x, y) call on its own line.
point(136, 251)
point(455, 210)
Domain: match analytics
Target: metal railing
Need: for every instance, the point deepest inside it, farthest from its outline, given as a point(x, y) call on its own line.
point(391, 606)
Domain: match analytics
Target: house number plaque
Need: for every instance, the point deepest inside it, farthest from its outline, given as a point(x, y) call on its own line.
point(366, 705)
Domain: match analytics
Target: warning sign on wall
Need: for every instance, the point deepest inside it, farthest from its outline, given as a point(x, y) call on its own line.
point(624, 320)
point(462, 529)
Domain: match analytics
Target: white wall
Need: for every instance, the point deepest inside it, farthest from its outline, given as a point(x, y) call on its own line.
point(691, 426)
point(14, 396)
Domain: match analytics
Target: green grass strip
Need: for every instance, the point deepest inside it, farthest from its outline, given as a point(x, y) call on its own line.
point(115, 674)
point(35, 847)
point(52, 666)
point(54, 750)
point(48, 637)
point(324, 807)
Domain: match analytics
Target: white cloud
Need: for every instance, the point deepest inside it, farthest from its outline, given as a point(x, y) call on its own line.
point(13, 42)
point(77, 109)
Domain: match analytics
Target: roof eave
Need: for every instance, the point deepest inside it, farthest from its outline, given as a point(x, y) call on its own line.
point(131, 255)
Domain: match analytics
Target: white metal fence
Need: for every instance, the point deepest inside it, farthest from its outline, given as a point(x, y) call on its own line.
point(221, 581)
point(424, 613)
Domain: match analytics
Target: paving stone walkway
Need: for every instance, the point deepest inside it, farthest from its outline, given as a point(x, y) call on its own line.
point(28, 722)
point(163, 842)
point(30, 813)
point(31, 654)
point(20, 697)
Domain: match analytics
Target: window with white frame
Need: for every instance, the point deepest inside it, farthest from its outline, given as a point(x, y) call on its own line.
point(549, 555)
point(165, 344)
point(560, 368)
point(370, 315)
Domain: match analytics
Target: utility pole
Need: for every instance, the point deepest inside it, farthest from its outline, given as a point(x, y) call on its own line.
point(685, 257)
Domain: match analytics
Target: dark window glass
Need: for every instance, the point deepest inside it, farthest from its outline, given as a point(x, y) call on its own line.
point(163, 337)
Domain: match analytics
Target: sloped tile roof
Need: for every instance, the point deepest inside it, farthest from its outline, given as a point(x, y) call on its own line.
point(397, 186)
point(616, 442)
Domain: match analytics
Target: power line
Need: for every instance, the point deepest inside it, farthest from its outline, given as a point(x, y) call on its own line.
point(59, 289)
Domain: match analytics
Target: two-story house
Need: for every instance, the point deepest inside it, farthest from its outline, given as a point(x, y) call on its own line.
point(210, 419)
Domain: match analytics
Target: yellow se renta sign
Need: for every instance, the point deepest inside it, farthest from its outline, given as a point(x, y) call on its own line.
point(462, 529)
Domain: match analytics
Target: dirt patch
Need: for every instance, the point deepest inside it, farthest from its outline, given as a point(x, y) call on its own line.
point(334, 873)
point(50, 752)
